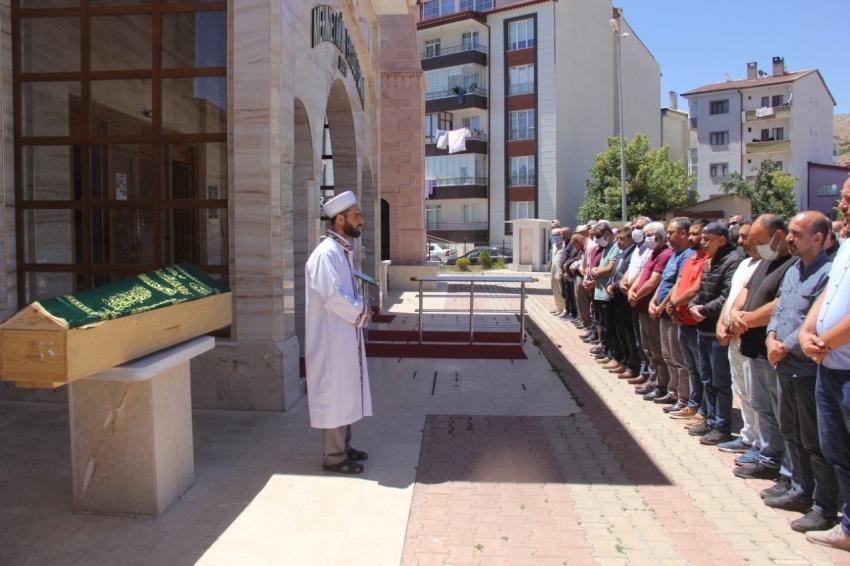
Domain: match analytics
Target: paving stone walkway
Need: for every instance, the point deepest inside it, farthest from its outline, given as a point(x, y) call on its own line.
point(618, 483)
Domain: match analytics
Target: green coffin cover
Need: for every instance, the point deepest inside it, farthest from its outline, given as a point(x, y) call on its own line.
point(140, 293)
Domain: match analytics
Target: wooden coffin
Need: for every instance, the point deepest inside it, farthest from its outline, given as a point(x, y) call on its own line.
point(38, 351)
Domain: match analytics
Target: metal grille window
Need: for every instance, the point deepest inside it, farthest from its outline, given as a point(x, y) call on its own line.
point(520, 34)
point(121, 163)
point(521, 79)
point(521, 125)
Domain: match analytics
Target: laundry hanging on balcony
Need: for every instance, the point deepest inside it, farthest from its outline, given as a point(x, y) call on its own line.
point(442, 137)
point(429, 188)
point(763, 112)
point(457, 140)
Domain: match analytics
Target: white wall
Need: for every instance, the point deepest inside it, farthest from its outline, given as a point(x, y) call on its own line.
point(811, 130)
point(676, 133)
point(641, 87)
point(708, 154)
point(496, 140)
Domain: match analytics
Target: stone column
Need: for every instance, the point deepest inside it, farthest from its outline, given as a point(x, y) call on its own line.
point(402, 138)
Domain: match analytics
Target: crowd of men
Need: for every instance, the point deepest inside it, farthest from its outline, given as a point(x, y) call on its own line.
point(692, 311)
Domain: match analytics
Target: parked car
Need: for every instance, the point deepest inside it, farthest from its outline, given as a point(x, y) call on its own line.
point(495, 253)
point(437, 253)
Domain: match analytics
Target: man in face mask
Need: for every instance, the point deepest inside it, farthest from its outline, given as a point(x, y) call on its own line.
point(637, 261)
point(603, 235)
point(750, 317)
point(555, 271)
point(640, 296)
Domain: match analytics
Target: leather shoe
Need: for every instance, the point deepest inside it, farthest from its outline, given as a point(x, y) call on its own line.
point(756, 472)
point(656, 393)
point(639, 380)
point(627, 375)
point(667, 400)
point(677, 406)
point(587, 334)
point(603, 361)
point(591, 339)
point(789, 503)
point(648, 387)
point(617, 370)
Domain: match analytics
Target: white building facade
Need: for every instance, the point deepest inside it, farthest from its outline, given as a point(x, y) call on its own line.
point(540, 96)
point(783, 116)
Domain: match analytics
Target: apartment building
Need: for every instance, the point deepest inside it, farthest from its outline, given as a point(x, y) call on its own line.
point(784, 116)
point(535, 82)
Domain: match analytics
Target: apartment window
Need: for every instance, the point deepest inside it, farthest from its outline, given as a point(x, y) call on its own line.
point(470, 212)
point(765, 134)
point(434, 122)
point(779, 134)
point(765, 101)
point(777, 100)
point(521, 79)
point(469, 40)
point(431, 9)
point(474, 5)
point(433, 216)
point(522, 171)
point(719, 138)
point(719, 169)
point(827, 190)
point(520, 34)
point(719, 107)
point(457, 169)
point(518, 210)
point(779, 165)
point(473, 123)
point(521, 125)
point(432, 48)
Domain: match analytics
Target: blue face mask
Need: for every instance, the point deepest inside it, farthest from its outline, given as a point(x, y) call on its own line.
point(556, 239)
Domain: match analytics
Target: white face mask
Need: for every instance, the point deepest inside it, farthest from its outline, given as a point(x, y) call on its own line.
point(766, 252)
point(637, 236)
point(602, 242)
point(653, 242)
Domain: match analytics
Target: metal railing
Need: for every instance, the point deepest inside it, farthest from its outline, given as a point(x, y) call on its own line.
point(521, 180)
point(365, 281)
point(452, 94)
point(472, 280)
point(440, 51)
point(481, 136)
point(440, 8)
point(521, 88)
point(456, 226)
point(460, 181)
point(521, 133)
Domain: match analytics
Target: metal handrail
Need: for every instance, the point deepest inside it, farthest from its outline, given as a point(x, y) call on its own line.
point(472, 279)
point(470, 91)
point(439, 52)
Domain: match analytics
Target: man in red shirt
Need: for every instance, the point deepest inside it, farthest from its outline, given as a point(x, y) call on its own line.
point(686, 289)
point(640, 296)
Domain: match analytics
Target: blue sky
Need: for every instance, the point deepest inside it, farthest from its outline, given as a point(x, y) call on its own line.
point(697, 42)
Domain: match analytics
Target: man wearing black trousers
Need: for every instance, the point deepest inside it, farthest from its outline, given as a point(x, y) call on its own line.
point(624, 332)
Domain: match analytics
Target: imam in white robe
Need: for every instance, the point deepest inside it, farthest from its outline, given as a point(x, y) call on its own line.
point(335, 356)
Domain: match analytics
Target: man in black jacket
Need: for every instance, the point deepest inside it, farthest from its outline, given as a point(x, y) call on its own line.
point(624, 333)
point(715, 372)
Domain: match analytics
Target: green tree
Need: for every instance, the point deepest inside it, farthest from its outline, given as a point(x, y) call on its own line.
point(772, 191)
point(484, 259)
point(655, 184)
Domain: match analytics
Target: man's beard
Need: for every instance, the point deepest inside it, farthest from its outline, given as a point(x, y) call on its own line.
point(350, 230)
point(694, 245)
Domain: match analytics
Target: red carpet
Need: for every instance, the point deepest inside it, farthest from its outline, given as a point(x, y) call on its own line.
point(378, 317)
point(480, 337)
point(445, 351)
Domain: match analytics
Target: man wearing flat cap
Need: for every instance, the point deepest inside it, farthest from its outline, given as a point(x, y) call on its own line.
point(715, 371)
point(335, 356)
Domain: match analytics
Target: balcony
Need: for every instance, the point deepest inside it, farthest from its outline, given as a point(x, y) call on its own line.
point(438, 58)
point(773, 146)
point(456, 226)
point(460, 187)
point(435, 9)
point(769, 113)
point(450, 100)
point(476, 144)
point(521, 134)
point(459, 231)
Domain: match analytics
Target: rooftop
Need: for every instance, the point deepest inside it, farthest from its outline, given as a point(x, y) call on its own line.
point(757, 83)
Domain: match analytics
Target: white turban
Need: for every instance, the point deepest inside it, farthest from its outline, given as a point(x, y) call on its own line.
point(340, 203)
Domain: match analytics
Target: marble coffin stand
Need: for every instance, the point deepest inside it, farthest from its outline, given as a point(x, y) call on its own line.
point(131, 433)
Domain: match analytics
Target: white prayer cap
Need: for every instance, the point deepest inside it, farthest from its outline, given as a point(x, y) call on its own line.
point(581, 228)
point(340, 203)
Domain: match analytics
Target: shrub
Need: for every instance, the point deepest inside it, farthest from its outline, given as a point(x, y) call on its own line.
point(499, 264)
point(463, 264)
point(484, 259)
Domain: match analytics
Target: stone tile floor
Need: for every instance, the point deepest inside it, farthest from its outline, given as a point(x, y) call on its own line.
point(528, 474)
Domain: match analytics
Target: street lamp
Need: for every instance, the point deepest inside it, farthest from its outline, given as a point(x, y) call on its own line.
point(615, 27)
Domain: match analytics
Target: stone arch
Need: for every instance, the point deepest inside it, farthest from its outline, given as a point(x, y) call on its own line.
point(305, 211)
point(343, 138)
